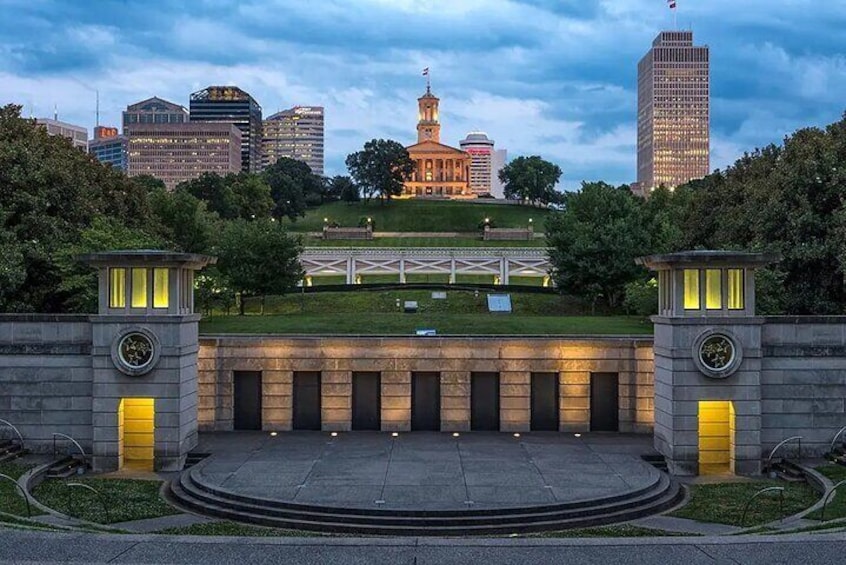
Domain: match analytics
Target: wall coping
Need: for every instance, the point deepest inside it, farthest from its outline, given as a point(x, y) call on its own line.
point(805, 320)
point(637, 339)
point(65, 318)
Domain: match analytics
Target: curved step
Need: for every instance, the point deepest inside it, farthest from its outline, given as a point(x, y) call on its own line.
point(662, 495)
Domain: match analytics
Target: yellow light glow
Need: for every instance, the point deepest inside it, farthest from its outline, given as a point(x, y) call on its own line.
point(715, 426)
point(160, 288)
point(735, 289)
point(117, 288)
point(138, 432)
point(455, 434)
point(691, 289)
point(139, 288)
point(713, 289)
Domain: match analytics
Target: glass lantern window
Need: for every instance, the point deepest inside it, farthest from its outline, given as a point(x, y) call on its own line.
point(713, 289)
point(117, 288)
point(139, 288)
point(161, 297)
point(736, 299)
point(691, 290)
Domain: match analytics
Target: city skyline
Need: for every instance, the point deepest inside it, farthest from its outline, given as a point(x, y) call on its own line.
point(549, 78)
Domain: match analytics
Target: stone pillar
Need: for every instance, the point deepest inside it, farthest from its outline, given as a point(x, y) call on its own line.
point(455, 401)
point(452, 271)
point(515, 398)
point(396, 401)
point(336, 400)
point(402, 270)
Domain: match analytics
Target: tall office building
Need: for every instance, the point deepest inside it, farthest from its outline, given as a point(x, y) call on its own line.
point(77, 134)
point(178, 152)
point(296, 133)
point(485, 164)
point(673, 95)
point(109, 147)
point(153, 111)
point(231, 105)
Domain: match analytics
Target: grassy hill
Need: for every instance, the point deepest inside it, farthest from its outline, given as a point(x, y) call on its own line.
point(422, 216)
point(463, 312)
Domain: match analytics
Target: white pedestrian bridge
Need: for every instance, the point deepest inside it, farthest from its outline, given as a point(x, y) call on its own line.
point(500, 263)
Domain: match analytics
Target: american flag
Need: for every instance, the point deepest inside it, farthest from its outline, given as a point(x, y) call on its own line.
point(671, 4)
point(426, 70)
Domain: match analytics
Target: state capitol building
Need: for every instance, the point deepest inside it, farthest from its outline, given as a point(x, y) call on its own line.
point(440, 171)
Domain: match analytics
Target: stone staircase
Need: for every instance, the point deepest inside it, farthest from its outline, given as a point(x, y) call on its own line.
point(189, 491)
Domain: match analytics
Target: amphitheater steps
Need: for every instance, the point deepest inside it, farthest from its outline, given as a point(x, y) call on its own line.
point(190, 492)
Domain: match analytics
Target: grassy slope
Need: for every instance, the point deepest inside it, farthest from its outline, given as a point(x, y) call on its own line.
point(375, 312)
point(10, 499)
point(421, 216)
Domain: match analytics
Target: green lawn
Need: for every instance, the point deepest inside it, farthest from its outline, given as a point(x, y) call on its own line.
point(421, 216)
point(234, 529)
point(11, 500)
point(126, 499)
point(613, 531)
point(836, 507)
point(466, 240)
point(406, 324)
point(723, 502)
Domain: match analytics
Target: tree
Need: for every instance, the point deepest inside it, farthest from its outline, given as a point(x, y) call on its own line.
point(595, 240)
point(50, 192)
point(259, 258)
point(381, 168)
point(531, 179)
point(290, 180)
point(342, 187)
point(184, 221)
point(216, 191)
point(251, 194)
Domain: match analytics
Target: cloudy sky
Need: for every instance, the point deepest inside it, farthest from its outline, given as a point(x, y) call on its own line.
point(549, 77)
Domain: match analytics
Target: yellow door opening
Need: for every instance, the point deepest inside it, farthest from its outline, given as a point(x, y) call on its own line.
point(716, 437)
point(136, 421)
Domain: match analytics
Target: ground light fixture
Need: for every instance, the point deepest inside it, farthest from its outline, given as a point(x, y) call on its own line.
point(516, 435)
point(577, 435)
point(395, 434)
point(272, 434)
point(455, 434)
point(334, 434)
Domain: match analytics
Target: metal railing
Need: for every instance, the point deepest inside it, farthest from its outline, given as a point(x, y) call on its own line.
point(780, 490)
point(89, 488)
point(777, 447)
point(828, 498)
point(834, 440)
point(20, 488)
point(14, 429)
point(73, 441)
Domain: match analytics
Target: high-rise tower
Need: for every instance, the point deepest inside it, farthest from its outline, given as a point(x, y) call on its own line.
point(230, 104)
point(296, 133)
point(428, 122)
point(673, 137)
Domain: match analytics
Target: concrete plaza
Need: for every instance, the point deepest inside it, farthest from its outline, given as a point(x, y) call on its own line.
point(427, 470)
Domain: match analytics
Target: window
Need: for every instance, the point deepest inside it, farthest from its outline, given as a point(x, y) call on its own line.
point(691, 289)
point(735, 289)
point(139, 288)
point(160, 288)
point(713, 289)
point(117, 288)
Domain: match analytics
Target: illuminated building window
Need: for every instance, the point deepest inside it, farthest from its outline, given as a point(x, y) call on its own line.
point(160, 288)
point(713, 289)
point(139, 288)
point(691, 289)
point(117, 288)
point(735, 289)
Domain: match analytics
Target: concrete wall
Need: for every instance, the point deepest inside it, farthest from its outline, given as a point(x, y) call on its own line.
point(514, 358)
point(45, 377)
point(803, 381)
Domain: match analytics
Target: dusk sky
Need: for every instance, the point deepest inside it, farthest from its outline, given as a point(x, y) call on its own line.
point(547, 77)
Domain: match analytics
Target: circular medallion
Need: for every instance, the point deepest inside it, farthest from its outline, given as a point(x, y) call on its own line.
point(135, 351)
point(716, 354)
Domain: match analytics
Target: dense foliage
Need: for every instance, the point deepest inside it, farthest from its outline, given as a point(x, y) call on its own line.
point(788, 199)
point(57, 202)
point(380, 169)
point(531, 179)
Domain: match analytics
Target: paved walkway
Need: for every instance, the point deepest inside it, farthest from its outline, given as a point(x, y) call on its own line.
point(427, 471)
point(40, 547)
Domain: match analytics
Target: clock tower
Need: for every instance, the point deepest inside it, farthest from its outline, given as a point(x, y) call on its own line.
point(428, 125)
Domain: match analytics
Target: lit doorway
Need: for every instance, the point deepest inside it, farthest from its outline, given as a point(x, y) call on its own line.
point(136, 430)
point(716, 437)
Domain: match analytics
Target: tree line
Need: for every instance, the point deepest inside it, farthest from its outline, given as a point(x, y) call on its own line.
point(789, 199)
